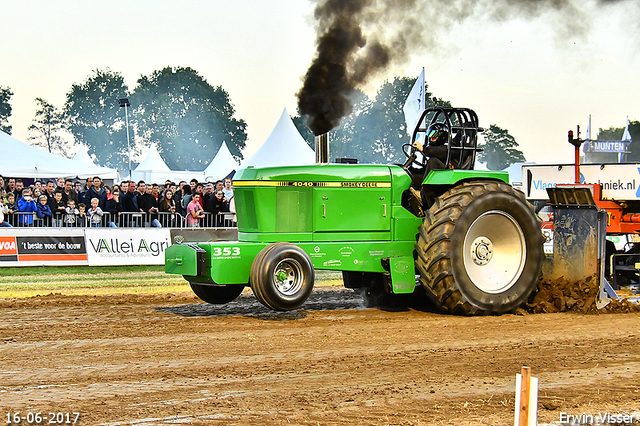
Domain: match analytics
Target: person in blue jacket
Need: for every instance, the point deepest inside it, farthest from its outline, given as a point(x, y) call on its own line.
point(44, 211)
point(26, 205)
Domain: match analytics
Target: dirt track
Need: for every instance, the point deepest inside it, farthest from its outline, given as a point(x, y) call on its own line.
point(169, 359)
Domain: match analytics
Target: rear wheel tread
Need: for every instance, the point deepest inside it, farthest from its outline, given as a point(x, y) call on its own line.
point(434, 246)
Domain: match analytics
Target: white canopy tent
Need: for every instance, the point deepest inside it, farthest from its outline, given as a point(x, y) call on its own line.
point(83, 156)
point(153, 169)
point(221, 165)
point(285, 146)
point(21, 160)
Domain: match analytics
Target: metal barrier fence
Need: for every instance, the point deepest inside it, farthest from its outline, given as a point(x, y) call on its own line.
point(122, 220)
point(220, 220)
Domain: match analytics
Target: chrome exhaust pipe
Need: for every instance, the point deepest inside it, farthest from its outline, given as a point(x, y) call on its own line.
point(322, 148)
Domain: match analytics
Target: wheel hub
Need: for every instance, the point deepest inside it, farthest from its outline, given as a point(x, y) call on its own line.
point(288, 277)
point(281, 276)
point(494, 251)
point(481, 251)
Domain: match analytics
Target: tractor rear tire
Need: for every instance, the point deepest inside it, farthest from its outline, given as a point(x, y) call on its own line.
point(480, 249)
point(217, 294)
point(282, 276)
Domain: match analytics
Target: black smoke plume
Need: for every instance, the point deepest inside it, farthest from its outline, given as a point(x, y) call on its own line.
point(360, 39)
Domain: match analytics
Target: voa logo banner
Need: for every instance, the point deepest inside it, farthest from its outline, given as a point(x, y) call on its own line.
point(134, 246)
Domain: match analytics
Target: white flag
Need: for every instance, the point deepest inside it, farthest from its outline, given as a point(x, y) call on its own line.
point(626, 136)
point(587, 138)
point(415, 104)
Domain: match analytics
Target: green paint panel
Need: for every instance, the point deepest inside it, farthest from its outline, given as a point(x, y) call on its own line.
point(328, 198)
point(404, 224)
point(294, 210)
point(351, 236)
point(180, 260)
point(403, 274)
point(355, 255)
point(229, 262)
point(263, 237)
point(353, 209)
point(317, 173)
point(451, 177)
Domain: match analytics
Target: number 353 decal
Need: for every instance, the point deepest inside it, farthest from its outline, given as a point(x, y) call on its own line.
point(226, 251)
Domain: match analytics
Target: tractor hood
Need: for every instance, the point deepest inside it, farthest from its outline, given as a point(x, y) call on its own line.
point(317, 175)
point(321, 201)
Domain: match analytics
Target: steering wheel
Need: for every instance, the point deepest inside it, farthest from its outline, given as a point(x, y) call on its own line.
point(412, 157)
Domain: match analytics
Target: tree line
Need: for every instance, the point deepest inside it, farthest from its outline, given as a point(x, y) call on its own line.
point(189, 119)
point(175, 108)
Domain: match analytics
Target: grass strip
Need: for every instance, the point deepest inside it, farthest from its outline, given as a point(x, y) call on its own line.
point(94, 280)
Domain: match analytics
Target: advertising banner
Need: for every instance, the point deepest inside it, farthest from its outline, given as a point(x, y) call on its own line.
point(133, 246)
point(607, 146)
point(618, 181)
point(30, 247)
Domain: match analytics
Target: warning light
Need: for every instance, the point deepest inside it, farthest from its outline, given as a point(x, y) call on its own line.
point(575, 142)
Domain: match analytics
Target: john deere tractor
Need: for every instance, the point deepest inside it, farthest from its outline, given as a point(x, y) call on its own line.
point(466, 236)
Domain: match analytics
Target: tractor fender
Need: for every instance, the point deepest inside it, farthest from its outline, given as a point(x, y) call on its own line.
point(454, 176)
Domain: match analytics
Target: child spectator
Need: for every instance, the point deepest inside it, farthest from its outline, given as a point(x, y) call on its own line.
point(3, 210)
point(12, 208)
point(228, 190)
point(58, 209)
point(27, 207)
point(44, 211)
point(82, 215)
point(71, 213)
point(194, 211)
point(95, 213)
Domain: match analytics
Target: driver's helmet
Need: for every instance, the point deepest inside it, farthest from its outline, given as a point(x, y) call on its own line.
point(437, 134)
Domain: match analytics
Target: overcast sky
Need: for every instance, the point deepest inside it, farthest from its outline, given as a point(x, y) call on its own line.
point(532, 77)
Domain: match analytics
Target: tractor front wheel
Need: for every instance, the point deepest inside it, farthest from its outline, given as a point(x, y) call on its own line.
point(282, 276)
point(217, 294)
point(480, 249)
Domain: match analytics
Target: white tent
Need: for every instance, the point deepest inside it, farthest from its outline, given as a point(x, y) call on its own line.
point(83, 156)
point(21, 160)
point(153, 169)
point(221, 165)
point(152, 162)
point(285, 146)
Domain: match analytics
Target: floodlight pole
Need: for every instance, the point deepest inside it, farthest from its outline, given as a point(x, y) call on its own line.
point(124, 102)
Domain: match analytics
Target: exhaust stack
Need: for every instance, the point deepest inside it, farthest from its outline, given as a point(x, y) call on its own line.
point(322, 148)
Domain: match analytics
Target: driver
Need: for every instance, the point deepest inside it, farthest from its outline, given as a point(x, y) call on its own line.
point(436, 150)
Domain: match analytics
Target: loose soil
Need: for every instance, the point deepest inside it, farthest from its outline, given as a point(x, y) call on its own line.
point(166, 359)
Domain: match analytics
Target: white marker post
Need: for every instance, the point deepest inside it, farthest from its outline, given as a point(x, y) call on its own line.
point(526, 399)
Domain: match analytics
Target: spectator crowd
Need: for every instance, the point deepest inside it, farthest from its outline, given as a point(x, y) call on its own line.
point(68, 203)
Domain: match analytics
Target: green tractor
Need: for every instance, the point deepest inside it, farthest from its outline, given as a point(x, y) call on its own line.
point(474, 242)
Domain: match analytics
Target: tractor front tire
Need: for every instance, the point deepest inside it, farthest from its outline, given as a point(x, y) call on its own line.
point(217, 294)
point(480, 249)
point(282, 276)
